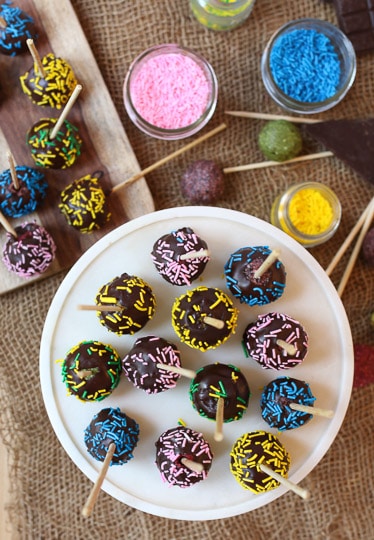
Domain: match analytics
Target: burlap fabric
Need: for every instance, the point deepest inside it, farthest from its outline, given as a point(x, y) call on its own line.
point(48, 489)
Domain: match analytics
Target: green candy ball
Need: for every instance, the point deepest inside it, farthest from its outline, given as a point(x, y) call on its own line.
point(280, 140)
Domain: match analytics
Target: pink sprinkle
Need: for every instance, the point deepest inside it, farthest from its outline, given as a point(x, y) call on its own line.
point(170, 91)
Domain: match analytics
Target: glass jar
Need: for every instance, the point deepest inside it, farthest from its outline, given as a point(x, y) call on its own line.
point(345, 54)
point(310, 212)
point(221, 14)
point(170, 92)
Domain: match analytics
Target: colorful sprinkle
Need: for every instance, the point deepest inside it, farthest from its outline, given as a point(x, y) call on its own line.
point(84, 204)
point(58, 153)
point(276, 399)
point(31, 253)
point(247, 454)
point(17, 202)
point(19, 27)
point(135, 299)
point(305, 65)
point(178, 443)
point(189, 313)
point(166, 256)
point(109, 426)
point(91, 370)
point(55, 87)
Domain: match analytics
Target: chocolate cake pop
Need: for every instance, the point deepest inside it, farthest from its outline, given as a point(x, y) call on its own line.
point(140, 365)
point(58, 152)
point(277, 401)
point(250, 452)
point(111, 425)
point(276, 341)
point(84, 205)
point(50, 84)
point(134, 300)
point(215, 381)
point(181, 256)
point(183, 456)
point(91, 370)
point(255, 275)
point(26, 195)
point(31, 252)
point(16, 26)
point(204, 318)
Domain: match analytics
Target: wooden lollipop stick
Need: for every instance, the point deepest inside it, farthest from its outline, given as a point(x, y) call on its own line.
point(212, 321)
point(35, 56)
point(13, 172)
point(90, 503)
point(174, 369)
point(7, 226)
point(301, 492)
point(171, 156)
point(270, 259)
point(263, 164)
point(266, 116)
point(218, 433)
point(3, 23)
point(312, 410)
point(66, 111)
point(356, 249)
point(347, 242)
point(192, 465)
point(99, 307)
point(194, 255)
point(288, 347)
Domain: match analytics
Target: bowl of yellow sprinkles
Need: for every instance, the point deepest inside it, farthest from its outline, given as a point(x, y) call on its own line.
point(310, 212)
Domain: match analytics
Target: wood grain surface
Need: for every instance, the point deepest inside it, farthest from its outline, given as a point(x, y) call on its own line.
point(106, 147)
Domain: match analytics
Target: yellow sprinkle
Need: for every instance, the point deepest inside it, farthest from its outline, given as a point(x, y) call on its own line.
point(310, 212)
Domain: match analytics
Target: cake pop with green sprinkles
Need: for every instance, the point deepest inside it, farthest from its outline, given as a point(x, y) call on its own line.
point(91, 370)
point(280, 140)
point(55, 142)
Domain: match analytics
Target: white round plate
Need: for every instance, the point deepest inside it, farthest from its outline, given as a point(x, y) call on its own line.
point(309, 297)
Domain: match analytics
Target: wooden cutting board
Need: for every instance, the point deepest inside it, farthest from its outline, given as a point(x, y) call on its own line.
point(105, 147)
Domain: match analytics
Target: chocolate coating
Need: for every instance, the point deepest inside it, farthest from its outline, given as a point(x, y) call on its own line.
point(252, 449)
point(55, 87)
point(84, 204)
point(19, 28)
point(260, 341)
point(136, 300)
point(140, 364)
point(240, 280)
point(112, 426)
point(190, 310)
point(276, 399)
point(31, 253)
point(167, 251)
point(58, 153)
point(220, 380)
point(29, 195)
point(203, 182)
point(91, 370)
point(178, 443)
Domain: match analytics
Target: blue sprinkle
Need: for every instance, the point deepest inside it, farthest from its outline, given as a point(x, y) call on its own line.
point(305, 66)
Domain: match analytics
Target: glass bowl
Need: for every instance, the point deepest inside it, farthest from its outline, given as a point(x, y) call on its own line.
point(170, 77)
point(313, 227)
point(293, 65)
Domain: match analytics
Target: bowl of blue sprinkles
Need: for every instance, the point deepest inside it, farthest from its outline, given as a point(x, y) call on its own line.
point(308, 66)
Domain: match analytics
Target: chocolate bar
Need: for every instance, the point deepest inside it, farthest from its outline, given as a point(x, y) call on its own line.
point(356, 19)
point(351, 141)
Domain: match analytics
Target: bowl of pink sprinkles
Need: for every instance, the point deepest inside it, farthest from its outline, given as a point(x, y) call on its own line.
point(170, 91)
